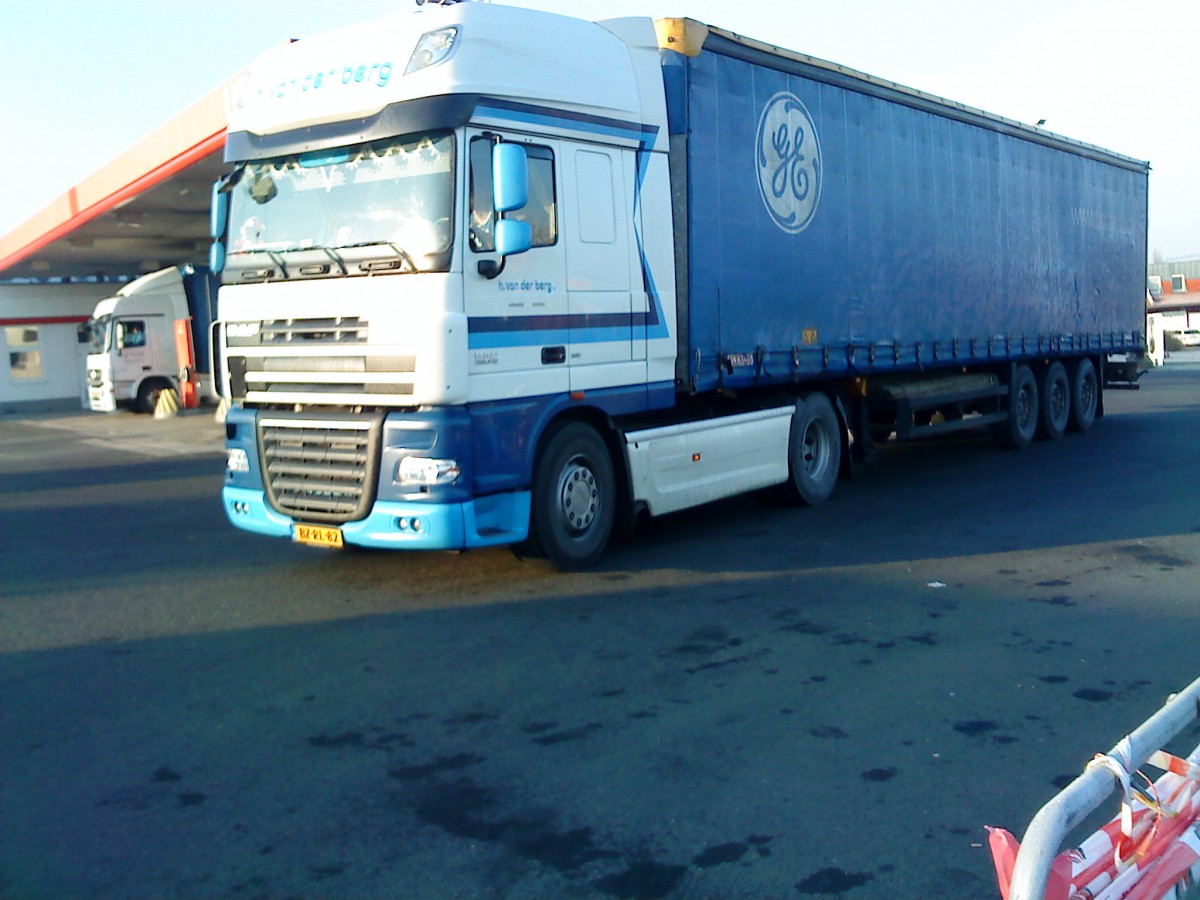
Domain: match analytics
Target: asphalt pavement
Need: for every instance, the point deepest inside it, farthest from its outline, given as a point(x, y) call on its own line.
point(745, 701)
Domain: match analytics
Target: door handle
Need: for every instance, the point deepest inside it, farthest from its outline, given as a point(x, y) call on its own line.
point(553, 355)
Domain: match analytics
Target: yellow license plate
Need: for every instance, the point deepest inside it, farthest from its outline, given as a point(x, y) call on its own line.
point(318, 535)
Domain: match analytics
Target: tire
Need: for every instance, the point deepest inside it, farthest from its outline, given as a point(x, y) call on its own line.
point(148, 394)
point(1085, 396)
point(1054, 402)
point(574, 498)
point(814, 452)
point(1019, 429)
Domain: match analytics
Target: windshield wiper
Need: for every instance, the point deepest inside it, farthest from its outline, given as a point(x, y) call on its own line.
point(337, 260)
point(381, 264)
point(277, 258)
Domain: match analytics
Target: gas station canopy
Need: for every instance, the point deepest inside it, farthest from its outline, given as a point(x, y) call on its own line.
point(146, 209)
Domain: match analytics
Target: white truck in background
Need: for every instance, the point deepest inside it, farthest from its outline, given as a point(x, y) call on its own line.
point(153, 335)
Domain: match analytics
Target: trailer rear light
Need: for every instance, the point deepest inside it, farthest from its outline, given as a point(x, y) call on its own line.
point(237, 461)
point(422, 470)
point(433, 48)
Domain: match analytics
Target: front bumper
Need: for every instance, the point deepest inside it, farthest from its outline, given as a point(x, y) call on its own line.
point(481, 522)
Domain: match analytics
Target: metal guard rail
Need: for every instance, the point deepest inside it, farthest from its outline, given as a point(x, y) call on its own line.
point(1050, 826)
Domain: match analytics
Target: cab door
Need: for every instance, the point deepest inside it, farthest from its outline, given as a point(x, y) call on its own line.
point(517, 319)
point(134, 356)
point(597, 231)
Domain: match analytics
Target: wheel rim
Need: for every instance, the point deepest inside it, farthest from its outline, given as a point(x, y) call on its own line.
point(1087, 395)
point(1025, 406)
point(816, 450)
point(1058, 401)
point(578, 496)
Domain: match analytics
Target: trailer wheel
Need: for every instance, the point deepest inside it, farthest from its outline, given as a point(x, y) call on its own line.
point(1018, 430)
point(574, 498)
point(1054, 402)
point(814, 452)
point(1085, 395)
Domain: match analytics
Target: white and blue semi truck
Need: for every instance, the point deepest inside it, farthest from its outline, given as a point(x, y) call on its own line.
point(495, 276)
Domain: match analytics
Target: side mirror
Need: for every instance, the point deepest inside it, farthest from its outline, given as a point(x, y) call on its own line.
point(510, 192)
point(218, 211)
point(216, 257)
point(513, 237)
point(510, 177)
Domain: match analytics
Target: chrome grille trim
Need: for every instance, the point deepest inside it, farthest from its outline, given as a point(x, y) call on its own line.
point(320, 470)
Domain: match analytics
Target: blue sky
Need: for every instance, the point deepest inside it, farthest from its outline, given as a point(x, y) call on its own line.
point(80, 81)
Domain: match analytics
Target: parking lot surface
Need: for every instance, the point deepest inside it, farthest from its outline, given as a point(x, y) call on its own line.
point(745, 701)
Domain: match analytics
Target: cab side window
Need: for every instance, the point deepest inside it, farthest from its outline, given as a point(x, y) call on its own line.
point(132, 333)
point(541, 212)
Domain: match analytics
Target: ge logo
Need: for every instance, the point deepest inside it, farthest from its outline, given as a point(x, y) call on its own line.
point(789, 162)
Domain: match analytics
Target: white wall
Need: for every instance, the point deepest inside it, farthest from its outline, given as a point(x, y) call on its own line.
point(52, 312)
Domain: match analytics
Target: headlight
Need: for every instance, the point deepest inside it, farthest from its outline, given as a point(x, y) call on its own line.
point(432, 49)
point(421, 470)
point(238, 461)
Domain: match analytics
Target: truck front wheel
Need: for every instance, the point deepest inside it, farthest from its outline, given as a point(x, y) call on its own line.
point(814, 451)
point(574, 498)
point(148, 394)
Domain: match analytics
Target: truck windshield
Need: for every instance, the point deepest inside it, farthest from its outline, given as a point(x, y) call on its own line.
point(98, 331)
point(398, 192)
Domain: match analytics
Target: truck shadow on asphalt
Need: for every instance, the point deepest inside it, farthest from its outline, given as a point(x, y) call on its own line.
point(723, 738)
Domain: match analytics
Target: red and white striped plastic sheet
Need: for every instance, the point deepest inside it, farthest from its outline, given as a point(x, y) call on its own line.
point(1148, 851)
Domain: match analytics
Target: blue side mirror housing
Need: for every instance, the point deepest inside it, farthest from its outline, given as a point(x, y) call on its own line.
point(216, 257)
point(218, 211)
point(510, 177)
point(513, 237)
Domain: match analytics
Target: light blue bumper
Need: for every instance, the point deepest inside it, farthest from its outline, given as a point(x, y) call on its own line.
point(482, 522)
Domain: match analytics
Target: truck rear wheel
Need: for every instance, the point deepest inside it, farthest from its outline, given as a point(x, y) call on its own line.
point(1085, 395)
point(1018, 430)
point(574, 498)
point(814, 452)
point(1054, 402)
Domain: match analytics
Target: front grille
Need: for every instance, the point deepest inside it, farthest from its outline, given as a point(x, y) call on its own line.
point(321, 470)
point(335, 330)
point(338, 330)
point(308, 379)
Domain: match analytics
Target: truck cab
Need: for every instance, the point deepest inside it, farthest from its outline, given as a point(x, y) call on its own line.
point(430, 253)
point(143, 341)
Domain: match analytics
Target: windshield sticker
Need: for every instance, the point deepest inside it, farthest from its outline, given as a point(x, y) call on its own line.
point(788, 157)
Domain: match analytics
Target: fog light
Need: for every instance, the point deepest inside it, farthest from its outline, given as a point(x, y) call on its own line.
point(418, 525)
